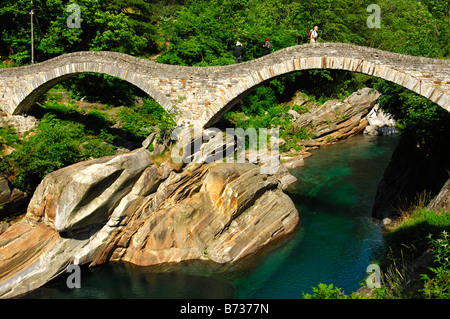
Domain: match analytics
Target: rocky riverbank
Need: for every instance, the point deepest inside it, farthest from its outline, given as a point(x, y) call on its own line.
point(336, 120)
point(134, 208)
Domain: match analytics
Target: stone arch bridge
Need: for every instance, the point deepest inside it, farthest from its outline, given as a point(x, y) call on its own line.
point(203, 94)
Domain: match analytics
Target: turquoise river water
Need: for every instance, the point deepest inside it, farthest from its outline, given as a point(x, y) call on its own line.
point(335, 242)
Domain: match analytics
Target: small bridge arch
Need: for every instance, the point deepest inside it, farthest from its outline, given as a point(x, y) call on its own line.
point(23, 86)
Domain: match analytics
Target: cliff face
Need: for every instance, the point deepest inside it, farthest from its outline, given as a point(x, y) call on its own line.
point(410, 173)
point(126, 208)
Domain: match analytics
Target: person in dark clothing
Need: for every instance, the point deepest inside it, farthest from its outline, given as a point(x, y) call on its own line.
point(266, 46)
point(238, 50)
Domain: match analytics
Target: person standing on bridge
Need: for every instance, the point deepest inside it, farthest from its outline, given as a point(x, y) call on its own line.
point(313, 34)
point(266, 46)
point(238, 50)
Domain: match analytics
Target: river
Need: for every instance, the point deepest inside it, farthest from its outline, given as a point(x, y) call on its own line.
point(335, 242)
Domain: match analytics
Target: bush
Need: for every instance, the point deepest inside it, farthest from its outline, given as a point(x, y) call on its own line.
point(322, 291)
point(438, 285)
point(96, 147)
point(141, 120)
point(8, 136)
point(55, 143)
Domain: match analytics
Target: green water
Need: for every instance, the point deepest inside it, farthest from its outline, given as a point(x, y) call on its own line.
point(335, 242)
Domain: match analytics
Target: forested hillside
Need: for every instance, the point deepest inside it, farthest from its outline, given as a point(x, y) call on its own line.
point(203, 32)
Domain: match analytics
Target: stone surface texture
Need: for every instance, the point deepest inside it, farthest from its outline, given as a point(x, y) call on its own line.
point(127, 208)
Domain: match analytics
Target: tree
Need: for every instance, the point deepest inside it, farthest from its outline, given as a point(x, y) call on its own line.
point(421, 122)
point(101, 29)
point(15, 26)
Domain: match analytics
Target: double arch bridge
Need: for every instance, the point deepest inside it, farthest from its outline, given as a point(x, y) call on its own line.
point(202, 95)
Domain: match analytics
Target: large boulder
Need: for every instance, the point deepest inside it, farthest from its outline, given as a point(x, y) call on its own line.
point(85, 194)
point(64, 217)
point(220, 212)
point(336, 120)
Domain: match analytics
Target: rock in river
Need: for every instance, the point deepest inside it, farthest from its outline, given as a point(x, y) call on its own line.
point(126, 208)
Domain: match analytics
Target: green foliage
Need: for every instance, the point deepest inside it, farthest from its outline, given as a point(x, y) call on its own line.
point(409, 27)
point(437, 285)
point(8, 136)
point(95, 147)
point(93, 120)
point(102, 28)
point(200, 34)
point(141, 120)
point(204, 32)
point(54, 144)
point(102, 88)
point(132, 123)
point(418, 119)
point(142, 18)
point(323, 291)
point(300, 109)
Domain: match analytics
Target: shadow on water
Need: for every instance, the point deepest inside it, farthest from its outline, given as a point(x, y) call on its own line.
point(334, 243)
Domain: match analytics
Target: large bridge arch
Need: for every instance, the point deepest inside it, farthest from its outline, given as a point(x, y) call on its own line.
point(427, 77)
point(203, 94)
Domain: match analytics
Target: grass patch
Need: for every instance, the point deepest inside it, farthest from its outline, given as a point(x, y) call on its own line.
point(407, 237)
point(416, 262)
point(166, 157)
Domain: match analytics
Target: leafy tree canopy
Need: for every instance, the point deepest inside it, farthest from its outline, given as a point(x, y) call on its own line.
point(203, 32)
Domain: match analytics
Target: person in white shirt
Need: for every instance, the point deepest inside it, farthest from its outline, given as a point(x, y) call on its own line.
point(313, 34)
